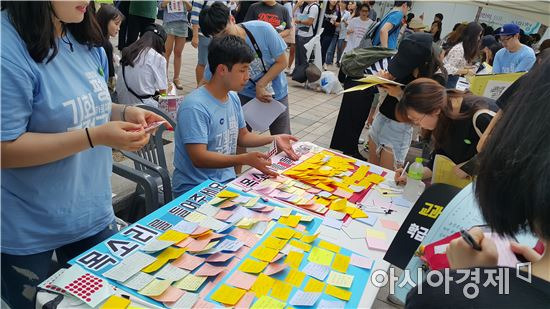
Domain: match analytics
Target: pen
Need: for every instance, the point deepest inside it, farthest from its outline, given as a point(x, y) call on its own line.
point(404, 169)
point(470, 240)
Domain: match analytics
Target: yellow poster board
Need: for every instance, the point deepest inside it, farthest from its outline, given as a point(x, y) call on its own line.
point(443, 173)
point(492, 85)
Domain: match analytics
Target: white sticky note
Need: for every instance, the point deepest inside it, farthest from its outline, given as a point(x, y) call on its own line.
point(334, 223)
point(170, 272)
point(335, 304)
point(185, 227)
point(316, 271)
point(156, 245)
point(208, 210)
point(230, 245)
point(361, 261)
point(129, 266)
point(355, 229)
point(301, 298)
point(339, 279)
point(138, 281)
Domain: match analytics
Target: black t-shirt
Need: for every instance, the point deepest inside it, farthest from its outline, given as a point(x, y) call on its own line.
point(109, 51)
point(328, 28)
point(461, 138)
point(276, 15)
point(387, 108)
point(521, 294)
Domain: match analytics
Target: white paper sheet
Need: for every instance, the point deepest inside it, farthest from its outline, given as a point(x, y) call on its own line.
point(261, 115)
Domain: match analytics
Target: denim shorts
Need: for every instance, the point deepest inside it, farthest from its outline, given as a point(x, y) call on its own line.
point(177, 28)
point(203, 49)
point(391, 135)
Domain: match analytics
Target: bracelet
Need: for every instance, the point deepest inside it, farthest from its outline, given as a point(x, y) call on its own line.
point(89, 138)
point(124, 112)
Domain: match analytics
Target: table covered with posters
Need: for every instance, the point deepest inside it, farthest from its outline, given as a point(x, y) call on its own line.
point(309, 238)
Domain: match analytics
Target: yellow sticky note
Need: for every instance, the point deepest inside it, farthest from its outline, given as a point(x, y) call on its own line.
point(376, 234)
point(267, 302)
point(171, 253)
point(227, 194)
point(306, 218)
point(301, 245)
point(309, 238)
point(375, 178)
point(338, 205)
point(320, 256)
point(314, 285)
point(294, 259)
point(116, 302)
point(156, 265)
point(338, 292)
point(281, 290)
point(283, 232)
point(228, 295)
point(358, 213)
point(291, 220)
point(252, 266)
point(190, 282)
point(341, 263)
point(262, 285)
point(263, 253)
point(195, 216)
point(360, 172)
point(155, 288)
point(350, 209)
point(298, 235)
point(275, 243)
point(295, 277)
point(329, 246)
point(246, 223)
point(173, 236)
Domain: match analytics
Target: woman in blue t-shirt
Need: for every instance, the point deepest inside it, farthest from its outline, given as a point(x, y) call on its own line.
point(58, 127)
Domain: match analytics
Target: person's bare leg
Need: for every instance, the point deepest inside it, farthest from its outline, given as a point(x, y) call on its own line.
point(199, 72)
point(372, 113)
point(178, 49)
point(373, 156)
point(291, 54)
point(386, 159)
point(169, 46)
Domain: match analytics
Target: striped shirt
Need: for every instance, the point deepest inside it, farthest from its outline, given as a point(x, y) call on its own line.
point(380, 65)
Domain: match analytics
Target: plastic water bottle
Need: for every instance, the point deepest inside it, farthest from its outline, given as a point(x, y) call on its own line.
point(414, 186)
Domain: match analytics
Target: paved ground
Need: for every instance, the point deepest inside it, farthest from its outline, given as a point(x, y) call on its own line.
point(313, 116)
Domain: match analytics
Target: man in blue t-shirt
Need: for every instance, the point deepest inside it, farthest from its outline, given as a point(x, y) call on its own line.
point(211, 122)
point(388, 30)
point(514, 57)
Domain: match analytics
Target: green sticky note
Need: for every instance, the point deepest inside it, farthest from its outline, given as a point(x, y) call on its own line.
point(467, 141)
point(100, 71)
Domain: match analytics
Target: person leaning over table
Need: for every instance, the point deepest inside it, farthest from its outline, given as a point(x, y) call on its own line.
point(461, 58)
point(58, 127)
point(512, 191)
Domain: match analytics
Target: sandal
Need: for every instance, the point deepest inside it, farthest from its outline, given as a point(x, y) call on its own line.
point(178, 84)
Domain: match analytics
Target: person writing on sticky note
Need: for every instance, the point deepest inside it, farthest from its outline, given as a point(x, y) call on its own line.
point(512, 191)
point(457, 119)
point(58, 128)
point(211, 122)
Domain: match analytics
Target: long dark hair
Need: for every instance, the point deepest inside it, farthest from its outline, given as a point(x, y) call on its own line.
point(426, 96)
point(104, 15)
point(514, 175)
point(148, 40)
point(470, 40)
point(454, 37)
point(34, 23)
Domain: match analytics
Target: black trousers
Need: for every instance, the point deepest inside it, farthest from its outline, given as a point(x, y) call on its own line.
point(124, 8)
point(136, 27)
point(325, 44)
point(353, 113)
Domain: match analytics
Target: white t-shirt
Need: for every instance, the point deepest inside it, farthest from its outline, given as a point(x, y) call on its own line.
point(310, 11)
point(343, 27)
point(147, 76)
point(359, 28)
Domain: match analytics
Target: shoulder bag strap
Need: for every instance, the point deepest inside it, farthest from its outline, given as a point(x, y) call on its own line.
point(477, 114)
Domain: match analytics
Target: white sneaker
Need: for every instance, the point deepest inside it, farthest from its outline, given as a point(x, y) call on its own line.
point(324, 67)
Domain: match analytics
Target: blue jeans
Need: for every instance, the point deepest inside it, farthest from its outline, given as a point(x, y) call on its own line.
point(331, 49)
point(340, 49)
point(22, 273)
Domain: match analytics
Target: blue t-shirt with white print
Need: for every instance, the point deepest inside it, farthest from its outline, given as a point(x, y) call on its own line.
point(203, 119)
point(519, 61)
point(47, 206)
point(395, 18)
point(272, 47)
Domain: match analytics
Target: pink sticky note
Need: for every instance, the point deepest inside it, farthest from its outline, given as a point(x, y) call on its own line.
point(390, 224)
point(199, 230)
point(206, 289)
point(265, 209)
point(250, 239)
point(241, 280)
point(188, 261)
point(301, 227)
point(377, 244)
point(223, 214)
point(261, 217)
point(274, 193)
point(278, 257)
point(211, 236)
point(226, 204)
point(241, 253)
point(274, 268)
point(197, 245)
point(245, 301)
point(219, 257)
point(171, 294)
point(203, 304)
point(341, 193)
point(314, 190)
point(361, 261)
point(184, 243)
point(209, 270)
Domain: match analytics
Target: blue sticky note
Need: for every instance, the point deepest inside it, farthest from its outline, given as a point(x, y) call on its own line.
point(399, 201)
point(333, 304)
point(334, 223)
